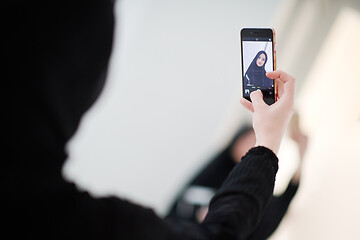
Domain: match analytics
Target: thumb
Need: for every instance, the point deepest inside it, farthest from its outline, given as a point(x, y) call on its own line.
point(257, 100)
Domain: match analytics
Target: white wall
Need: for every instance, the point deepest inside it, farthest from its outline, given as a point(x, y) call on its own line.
point(171, 98)
point(326, 205)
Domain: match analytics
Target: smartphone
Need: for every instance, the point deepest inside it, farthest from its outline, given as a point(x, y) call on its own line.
point(257, 58)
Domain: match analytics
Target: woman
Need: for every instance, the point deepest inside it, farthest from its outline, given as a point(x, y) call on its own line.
point(192, 203)
point(256, 74)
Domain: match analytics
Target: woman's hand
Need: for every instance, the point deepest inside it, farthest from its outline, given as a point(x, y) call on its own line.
point(270, 122)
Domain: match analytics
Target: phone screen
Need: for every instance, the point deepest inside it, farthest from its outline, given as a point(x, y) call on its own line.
point(257, 55)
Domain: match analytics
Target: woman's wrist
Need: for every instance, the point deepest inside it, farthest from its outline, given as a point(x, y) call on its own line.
point(268, 144)
point(270, 139)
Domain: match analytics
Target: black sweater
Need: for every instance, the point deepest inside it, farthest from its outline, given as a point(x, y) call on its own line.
point(209, 180)
point(58, 54)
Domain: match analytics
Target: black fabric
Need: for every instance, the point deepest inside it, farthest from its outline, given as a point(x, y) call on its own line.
point(274, 213)
point(256, 75)
point(58, 54)
point(213, 175)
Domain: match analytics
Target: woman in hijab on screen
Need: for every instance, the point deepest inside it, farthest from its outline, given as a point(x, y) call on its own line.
point(255, 74)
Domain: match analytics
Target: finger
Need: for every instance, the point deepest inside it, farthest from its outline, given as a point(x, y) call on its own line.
point(247, 104)
point(289, 88)
point(278, 74)
point(283, 76)
point(257, 100)
point(289, 83)
point(279, 88)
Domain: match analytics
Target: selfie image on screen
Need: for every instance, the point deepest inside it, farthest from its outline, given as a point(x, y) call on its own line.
point(257, 60)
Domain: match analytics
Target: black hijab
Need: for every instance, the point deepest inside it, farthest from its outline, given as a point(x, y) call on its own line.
point(255, 75)
point(61, 52)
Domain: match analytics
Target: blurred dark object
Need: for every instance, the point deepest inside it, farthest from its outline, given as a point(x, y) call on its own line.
point(192, 202)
